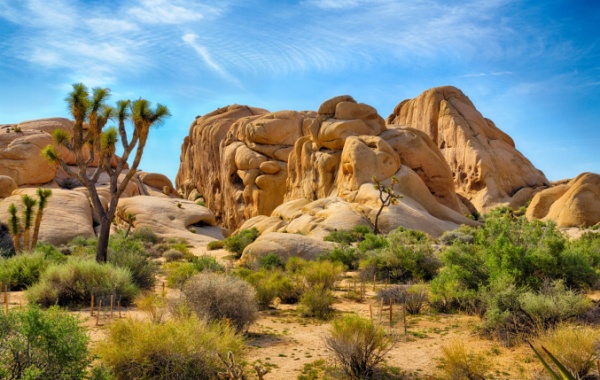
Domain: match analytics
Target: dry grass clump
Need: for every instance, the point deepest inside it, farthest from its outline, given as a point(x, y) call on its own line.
point(185, 348)
point(459, 363)
point(219, 297)
point(358, 345)
point(576, 347)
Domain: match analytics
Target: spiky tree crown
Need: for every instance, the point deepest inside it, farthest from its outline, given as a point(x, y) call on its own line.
point(14, 224)
point(28, 203)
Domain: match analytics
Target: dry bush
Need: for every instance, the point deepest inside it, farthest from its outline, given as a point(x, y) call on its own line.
point(173, 255)
point(185, 348)
point(576, 347)
point(153, 305)
point(219, 297)
point(413, 297)
point(459, 363)
point(358, 345)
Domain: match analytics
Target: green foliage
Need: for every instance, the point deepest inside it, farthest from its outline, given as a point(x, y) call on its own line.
point(130, 254)
point(178, 273)
point(73, 283)
point(207, 263)
point(145, 234)
point(271, 284)
point(42, 345)
point(348, 256)
point(108, 140)
point(317, 302)
point(347, 237)
point(409, 256)
point(358, 345)
point(236, 243)
point(173, 255)
point(322, 274)
point(22, 271)
point(219, 297)
point(270, 261)
point(216, 244)
point(51, 154)
point(184, 348)
point(372, 242)
point(515, 313)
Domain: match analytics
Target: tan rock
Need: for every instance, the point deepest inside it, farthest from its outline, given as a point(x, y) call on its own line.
point(284, 245)
point(7, 186)
point(487, 168)
point(569, 205)
point(67, 215)
point(21, 160)
point(171, 218)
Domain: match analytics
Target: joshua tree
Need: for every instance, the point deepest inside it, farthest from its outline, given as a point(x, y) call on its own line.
point(43, 195)
point(14, 226)
point(387, 196)
point(92, 108)
point(28, 205)
point(129, 218)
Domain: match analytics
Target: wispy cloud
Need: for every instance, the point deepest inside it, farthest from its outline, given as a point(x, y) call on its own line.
point(169, 11)
point(191, 40)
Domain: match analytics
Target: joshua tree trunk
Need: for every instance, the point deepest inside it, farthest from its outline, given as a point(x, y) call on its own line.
point(26, 239)
point(16, 243)
point(43, 195)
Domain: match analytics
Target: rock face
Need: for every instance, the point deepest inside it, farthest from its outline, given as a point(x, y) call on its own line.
point(486, 167)
point(285, 246)
point(574, 204)
point(311, 172)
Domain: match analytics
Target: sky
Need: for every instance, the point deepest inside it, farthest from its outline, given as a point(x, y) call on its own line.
point(533, 67)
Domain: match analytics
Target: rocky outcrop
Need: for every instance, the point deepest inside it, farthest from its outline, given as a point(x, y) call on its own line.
point(284, 245)
point(7, 186)
point(310, 173)
point(487, 169)
point(572, 204)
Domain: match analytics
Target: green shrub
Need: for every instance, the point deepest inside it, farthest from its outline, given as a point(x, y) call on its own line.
point(348, 236)
point(273, 284)
point(178, 273)
point(22, 271)
point(218, 297)
point(574, 346)
point(323, 274)
point(372, 242)
point(409, 256)
point(457, 362)
point(216, 244)
point(317, 302)
point(173, 255)
point(183, 348)
point(42, 345)
point(344, 254)
point(270, 261)
point(236, 243)
point(207, 263)
point(358, 345)
point(516, 313)
point(456, 236)
point(145, 234)
point(142, 269)
point(73, 283)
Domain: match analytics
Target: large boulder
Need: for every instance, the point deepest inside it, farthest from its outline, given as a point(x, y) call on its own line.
point(488, 170)
point(21, 159)
point(67, 215)
point(284, 245)
point(574, 204)
point(7, 186)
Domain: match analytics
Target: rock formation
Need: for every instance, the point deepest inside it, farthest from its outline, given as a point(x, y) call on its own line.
point(572, 204)
point(487, 168)
point(69, 214)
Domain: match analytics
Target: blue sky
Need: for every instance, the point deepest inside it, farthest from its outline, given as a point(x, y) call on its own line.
point(533, 67)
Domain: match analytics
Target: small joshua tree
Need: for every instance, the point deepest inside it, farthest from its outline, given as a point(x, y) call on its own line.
point(28, 206)
point(387, 196)
point(129, 218)
point(14, 227)
point(101, 145)
point(43, 195)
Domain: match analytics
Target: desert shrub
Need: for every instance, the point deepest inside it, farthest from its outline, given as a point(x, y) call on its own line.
point(145, 234)
point(218, 297)
point(270, 261)
point(131, 255)
point(184, 348)
point(344, 254)
point(413, 297)
point(295, 265)
point(206, 263)
point(82, 246)
point(358, 345)
point(273, 284)
point(372, 242)
point(458, 363)
point(410, 255)
point(37, 344)
point(73, 283)
point(317, 302)
point(456, 236)
point(173, 255)
point(347, 237)
point(22, 271)
point(322, 274)
point(154, 305)
point(574, 346)
point(514, 313)
point(236, 243)
point(216, 244)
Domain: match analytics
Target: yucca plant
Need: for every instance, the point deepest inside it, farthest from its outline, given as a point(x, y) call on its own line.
point(28, 206)
point(43, 195)
point(14, 227)
point(563, 372)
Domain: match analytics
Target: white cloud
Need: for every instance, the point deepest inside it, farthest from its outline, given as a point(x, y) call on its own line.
point(169, 11)
point(191, 40)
